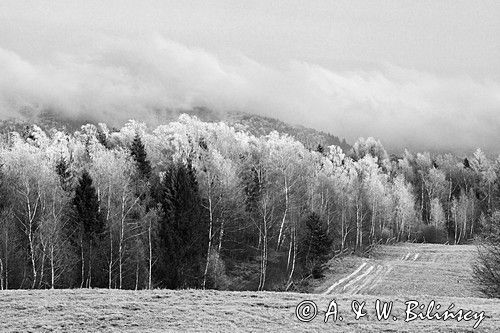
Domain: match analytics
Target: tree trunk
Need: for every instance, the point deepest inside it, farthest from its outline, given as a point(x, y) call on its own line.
point(33, 265)
point(221, 233)
point(110, 264)
point(83, 263)
point(89, 281)
point(465, 219)
point(52, 273)
point(372, 230)
point(209, 247)
point(263, 266)
point(150, 255)
point(422, 199)
point(1, 275)
point(120, 245)
point(343, 231)
point(40, 282)
point(359, 226)
point(6, 259)
point(137, 275)
point(472, 222)
point(293, 238)
point(284, 215)
point(289, 250)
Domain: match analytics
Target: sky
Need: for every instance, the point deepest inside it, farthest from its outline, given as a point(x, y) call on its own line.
point(418, 74)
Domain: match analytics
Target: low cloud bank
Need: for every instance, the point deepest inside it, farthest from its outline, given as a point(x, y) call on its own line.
point(125, 79)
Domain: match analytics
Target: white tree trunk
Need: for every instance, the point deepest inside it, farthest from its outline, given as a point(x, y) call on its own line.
point(280, 235)
point(209, 247)
point(150, 256)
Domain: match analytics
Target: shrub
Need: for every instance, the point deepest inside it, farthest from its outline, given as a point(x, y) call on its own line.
point(216, 275)
point(431, 234)
point(386, 234)
point(486, 270)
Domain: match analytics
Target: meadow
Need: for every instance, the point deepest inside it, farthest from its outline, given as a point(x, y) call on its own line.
point(439, 272)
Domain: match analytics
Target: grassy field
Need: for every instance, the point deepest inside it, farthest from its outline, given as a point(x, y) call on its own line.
point(439, 273)
point(405, 269)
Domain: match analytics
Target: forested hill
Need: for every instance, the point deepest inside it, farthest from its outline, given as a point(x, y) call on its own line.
point(260, 125)
point(254, 124)
point(196, 204)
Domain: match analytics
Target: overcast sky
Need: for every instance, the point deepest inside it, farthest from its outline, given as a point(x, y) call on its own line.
point(422, 74)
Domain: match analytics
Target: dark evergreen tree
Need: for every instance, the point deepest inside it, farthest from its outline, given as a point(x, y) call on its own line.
point(245, 237)
point(316, 245)
point(466, 163)
point(138, 152)
point(182, 240)
point(88, 230)
point(252, 187)
point(86, 206)
point(62, 169)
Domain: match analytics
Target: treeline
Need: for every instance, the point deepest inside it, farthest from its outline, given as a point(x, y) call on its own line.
point(201, 205)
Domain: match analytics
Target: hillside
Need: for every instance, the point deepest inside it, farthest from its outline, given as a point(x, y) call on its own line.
point(254, 124)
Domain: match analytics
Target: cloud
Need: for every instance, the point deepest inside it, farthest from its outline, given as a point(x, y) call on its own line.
point(125, 78)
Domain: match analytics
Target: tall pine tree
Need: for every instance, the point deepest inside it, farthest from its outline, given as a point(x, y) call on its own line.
point(88, 230)
point(315, 245)
point(138, 152)
point(182, 242)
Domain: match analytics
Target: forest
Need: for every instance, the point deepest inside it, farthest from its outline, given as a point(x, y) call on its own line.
point(193, 204)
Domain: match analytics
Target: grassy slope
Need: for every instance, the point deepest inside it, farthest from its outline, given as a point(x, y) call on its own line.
point(210, 311)
point(408, 269)
point(432, 275)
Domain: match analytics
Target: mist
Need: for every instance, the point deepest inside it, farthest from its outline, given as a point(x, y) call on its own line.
point(127, 78)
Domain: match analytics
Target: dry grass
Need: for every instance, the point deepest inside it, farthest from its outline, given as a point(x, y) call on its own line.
point(211, 311)
point(408, 269)
point(434, 277)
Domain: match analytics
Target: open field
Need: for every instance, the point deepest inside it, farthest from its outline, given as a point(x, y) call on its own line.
point(212, 311)
point(409, 272)
point(405, 269)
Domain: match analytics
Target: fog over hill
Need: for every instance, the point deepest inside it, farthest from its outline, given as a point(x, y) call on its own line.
point(257, 125)
point(122, 78)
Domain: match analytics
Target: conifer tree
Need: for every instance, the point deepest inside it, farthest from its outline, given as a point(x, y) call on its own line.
point(86, 206)
point(182, 232)
point(316, 245)
point(138, 152)
point(62, 169)
point(89, 226)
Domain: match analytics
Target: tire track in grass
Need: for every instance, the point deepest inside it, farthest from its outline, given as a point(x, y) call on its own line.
point(329, 290)
point(370, 279)
point(380, 278)
point(417, 269)
point(358, 278)
point(368, 276)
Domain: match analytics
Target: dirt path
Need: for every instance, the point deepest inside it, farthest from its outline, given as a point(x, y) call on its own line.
point(406, 269)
